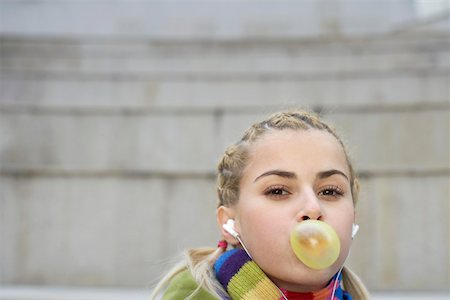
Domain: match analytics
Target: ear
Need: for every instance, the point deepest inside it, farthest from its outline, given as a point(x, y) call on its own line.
point(223, 214)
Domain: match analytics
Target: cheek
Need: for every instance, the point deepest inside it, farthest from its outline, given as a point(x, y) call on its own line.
point(255, 223)
point(266, 245)
point(343, 227)
point(261, 226)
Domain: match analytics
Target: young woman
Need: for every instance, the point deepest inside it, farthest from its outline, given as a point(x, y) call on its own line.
point(287, 193)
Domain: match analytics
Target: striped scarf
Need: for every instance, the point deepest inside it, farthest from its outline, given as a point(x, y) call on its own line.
point(243, 279)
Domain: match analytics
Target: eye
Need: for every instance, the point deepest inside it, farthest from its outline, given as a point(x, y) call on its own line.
point(331, 191)
point(277, 192)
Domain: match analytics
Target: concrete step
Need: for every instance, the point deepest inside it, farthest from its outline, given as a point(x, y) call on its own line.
point(203, 19)
point(367, 88)
point(71, 293)
point(114, 144)
point(79, 230)
point(10, 292)
point(239, 58)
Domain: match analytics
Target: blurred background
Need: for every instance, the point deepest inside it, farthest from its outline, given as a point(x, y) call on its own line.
point(113, 115)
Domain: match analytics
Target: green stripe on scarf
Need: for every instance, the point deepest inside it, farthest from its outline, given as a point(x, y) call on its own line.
point(250, 283)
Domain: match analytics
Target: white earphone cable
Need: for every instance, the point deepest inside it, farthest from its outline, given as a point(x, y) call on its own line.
point(336, 282)
point(243, 245)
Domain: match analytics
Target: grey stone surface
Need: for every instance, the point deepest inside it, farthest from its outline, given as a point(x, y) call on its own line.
point(109, 134)
point(201, 19)
point(109, 143)
point(404, 233)
point(407, 141)
point(379, 142)
point(156, 74)
point(191, 218)
point(395, 88)
point(26, 292)
point(110, 231)
point(165, 59)
point(74, 293)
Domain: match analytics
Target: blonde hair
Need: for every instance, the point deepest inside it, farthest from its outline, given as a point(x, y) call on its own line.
point(229, 173)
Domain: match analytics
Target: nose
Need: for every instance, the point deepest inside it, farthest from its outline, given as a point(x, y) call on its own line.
point(310, 207)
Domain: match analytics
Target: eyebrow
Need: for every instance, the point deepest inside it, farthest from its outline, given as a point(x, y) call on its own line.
point(292, 175)
point(285, 174)
point(328, 173)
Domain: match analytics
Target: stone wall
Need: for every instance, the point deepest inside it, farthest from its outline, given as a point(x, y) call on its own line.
point(109, 137)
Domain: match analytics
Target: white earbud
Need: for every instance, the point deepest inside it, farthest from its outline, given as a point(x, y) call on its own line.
point(229, 227)
point(355, 229)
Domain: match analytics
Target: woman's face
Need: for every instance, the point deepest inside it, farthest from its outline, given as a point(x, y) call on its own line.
point(292, 176)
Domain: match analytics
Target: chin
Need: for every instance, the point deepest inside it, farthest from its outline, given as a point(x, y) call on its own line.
point(305, 280)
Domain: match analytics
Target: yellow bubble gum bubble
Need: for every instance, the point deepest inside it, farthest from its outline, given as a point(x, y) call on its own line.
point(315, 243)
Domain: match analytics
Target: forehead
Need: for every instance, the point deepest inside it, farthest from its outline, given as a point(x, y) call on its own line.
point(308, 148)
